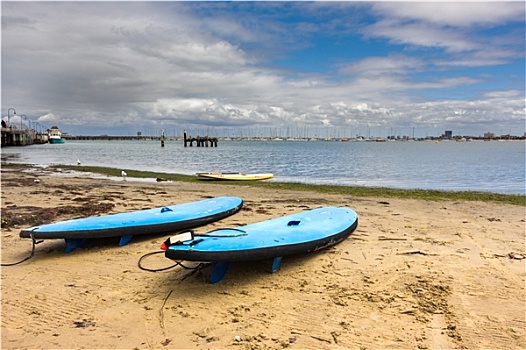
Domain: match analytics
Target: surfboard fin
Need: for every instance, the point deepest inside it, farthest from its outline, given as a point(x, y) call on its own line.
point(72, 244)
point(125, 240)
point(275, 263)
point(219, 269)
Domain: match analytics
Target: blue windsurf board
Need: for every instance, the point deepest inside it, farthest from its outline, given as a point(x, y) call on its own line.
point(303, 232)
point(166, 219)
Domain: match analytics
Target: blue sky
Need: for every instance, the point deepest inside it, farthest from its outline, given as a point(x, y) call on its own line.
point(227, 67)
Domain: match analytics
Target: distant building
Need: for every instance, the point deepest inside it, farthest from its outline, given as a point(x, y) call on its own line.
point(489, 135)
point(448, 134)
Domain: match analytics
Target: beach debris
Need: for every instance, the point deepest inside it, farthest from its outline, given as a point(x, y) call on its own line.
point(84, 323)
point(166, 342)
point(516, 256)
point(34, 216)
point(161, 313)
point(212, 338)
point(511, 255)
point(408, 311)
point(384, 238)
point(321, 339)
point(335, 336)
point(413, 252)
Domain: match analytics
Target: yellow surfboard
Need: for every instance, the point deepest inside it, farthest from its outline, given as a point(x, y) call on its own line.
point(234, 176)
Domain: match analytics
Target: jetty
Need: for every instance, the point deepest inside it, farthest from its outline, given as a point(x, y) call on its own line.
point(200, 141)
point(13, 136)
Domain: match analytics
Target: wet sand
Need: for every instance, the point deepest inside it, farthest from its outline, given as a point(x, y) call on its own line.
point(415, 274)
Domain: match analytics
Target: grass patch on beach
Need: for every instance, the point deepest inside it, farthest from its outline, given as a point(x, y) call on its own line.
point(357, 191)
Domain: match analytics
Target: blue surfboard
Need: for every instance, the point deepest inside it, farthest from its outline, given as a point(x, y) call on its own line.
point(303, 232)
point(166, 219)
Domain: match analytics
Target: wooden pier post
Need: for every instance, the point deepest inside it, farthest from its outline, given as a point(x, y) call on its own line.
point(199, 141)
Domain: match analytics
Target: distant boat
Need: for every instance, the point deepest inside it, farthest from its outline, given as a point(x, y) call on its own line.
point(55, 135)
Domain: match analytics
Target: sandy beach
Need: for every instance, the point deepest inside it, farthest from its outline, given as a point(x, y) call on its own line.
point(415, 274)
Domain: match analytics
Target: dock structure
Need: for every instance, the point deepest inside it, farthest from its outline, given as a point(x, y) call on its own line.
point(200, 141)
point(17, 137)
point(106, 137)
point(13, 136)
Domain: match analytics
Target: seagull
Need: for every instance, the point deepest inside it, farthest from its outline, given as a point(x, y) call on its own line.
point(78, 161)
point(123, 173)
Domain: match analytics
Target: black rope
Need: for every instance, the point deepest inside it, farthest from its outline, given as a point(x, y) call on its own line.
point(178, 263)
point(28, 257)
point(208, 234)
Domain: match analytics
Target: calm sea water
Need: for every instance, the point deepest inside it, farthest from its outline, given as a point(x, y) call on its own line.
point(481, 166)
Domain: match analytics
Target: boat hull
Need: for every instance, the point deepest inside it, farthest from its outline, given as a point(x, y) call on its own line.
point(55, 140)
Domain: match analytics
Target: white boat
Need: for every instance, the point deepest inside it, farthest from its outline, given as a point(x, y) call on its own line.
point(55, 135)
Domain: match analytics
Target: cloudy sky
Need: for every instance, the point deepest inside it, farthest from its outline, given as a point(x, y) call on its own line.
point(373, 68)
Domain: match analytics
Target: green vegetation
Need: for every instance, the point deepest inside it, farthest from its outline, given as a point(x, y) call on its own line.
point(356, 191)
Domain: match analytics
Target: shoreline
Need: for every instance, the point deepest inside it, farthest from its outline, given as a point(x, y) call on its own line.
point(414, 274)
point(361, 191)
point(493, 168)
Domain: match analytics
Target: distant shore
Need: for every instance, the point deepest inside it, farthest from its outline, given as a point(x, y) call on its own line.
point(457, 138)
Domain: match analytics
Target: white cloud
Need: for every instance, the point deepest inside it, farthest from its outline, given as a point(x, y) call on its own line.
point(420, 34)
point(48, 118)
point(450, 26)
point(390, 65)
point(141, 63)
point(457, 14)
